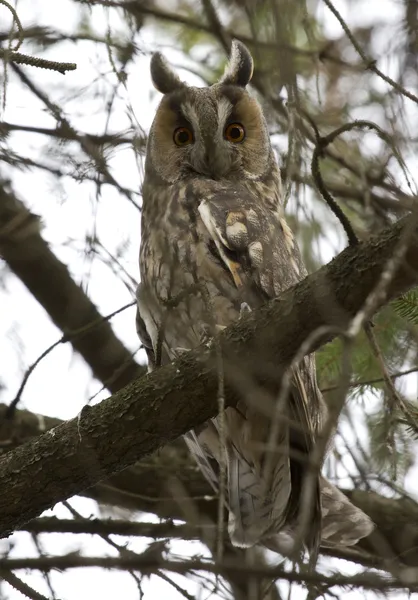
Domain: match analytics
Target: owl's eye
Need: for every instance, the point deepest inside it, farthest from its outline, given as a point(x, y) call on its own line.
point(234, 133)
point(183, 136)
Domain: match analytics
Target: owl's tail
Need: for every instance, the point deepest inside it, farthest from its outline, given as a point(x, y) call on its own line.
point(343, 524)
point(255, 518)
point(254, 511)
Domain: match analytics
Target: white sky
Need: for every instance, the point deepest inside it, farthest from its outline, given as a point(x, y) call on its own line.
point(61, 384)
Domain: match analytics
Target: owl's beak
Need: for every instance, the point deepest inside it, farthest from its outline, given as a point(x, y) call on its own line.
point(208, 160)
point(209, 169)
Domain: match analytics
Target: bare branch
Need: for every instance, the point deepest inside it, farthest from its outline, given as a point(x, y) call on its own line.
point(395, 519)
point(36, 61)
point(369, 63)
point(112, 435)
point(21, 586)
point(367, 581)
point(48, 279)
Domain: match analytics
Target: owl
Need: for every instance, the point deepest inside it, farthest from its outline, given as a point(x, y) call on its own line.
point(215, 244)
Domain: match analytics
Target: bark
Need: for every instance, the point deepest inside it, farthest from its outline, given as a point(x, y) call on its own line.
point(150, 486)
point(114, 434)
point(30, 258)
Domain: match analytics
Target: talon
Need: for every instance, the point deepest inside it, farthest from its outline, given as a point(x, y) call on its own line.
point(245, 308)
point(207, 333)
point(178, 352)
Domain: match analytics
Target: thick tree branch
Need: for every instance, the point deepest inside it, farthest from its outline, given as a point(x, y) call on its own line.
point(110, 436)
point(147, 487)
point(30, 258)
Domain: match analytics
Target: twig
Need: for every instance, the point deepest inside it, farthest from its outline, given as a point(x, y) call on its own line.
point(20, 585)
point(369, 63)
point(175, 585)
point(379, 293)
point(33, 61)
point(67, 337)
point(372, 381)
point(18, 24)
point(121, 549)
point(114, 527)
point(396, 400)
point(47, 578)
point(89, 148)
point(367, 581)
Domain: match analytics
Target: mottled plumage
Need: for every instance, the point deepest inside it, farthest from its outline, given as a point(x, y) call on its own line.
point(214, 240)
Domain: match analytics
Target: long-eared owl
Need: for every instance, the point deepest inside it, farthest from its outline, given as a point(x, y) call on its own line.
point(214, 243)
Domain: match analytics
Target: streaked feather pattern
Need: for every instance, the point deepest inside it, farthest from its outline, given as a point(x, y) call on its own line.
point(214, 239)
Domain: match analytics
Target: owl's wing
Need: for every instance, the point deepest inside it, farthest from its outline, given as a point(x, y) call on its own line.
point(143, 334)
point(257, 248)
point(203, 457)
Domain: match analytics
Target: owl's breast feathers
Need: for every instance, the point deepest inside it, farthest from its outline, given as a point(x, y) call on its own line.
point(206, 248)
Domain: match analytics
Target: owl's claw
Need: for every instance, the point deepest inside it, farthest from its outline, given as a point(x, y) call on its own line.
point(178, 351)
point(207, 334)
point(245, 308)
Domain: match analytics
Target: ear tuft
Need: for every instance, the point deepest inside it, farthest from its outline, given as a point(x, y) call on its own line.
point(239, 69)
point(165, 80)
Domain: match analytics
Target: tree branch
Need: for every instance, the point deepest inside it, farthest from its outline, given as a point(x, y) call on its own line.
point(370, 581)
point(147, 487)
point(114, 434)
point(114, 527)
point(30, 258)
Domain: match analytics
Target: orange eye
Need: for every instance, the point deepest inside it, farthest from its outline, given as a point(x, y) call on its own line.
point(234, 133)
point(183, 136)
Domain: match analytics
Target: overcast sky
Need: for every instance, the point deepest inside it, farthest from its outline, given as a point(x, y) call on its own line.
point(62, 383)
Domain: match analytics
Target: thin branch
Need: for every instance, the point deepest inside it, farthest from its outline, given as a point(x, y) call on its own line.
point(47, 278)
point(372, 381)
point(369, 63)
point(18, 24)
point(113, 139)
point(114, 527)
point(395, 399)
point(367, 581)
point(34, 61)
point(19, 585)
point(89, 148)
point(133, 422)
point(67, 337)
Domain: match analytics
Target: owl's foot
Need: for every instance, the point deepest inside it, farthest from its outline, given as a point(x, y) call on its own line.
point(244, 309)
point(179, 352)
point(208, 333)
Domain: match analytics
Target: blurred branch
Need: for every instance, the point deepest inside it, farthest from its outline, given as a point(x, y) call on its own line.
point(113, 527)
point(67, 337)
point(139, 9)
point(369, 581)
point(395, 519)
point(16, 21)
point(20, 585)
point(30, 258)
point(369, 63)
point(112, 435)
point(88, 148)
point(372, 381)
point(62, 133)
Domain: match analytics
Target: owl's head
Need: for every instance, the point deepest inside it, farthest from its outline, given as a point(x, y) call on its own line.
point(217, 132)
